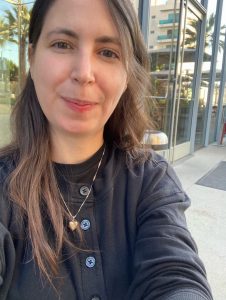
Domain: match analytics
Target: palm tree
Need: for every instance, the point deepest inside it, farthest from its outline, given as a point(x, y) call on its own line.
point(191, 34)
point(210, 33)
point(14, 28)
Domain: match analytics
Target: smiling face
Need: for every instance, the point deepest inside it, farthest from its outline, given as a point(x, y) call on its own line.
point(77, 68)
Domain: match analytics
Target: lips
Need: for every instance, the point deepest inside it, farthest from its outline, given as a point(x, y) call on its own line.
point(79, 105)
point(78, 101)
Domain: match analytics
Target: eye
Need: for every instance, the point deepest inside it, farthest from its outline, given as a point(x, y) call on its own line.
point(109, 53)
point(62, 45)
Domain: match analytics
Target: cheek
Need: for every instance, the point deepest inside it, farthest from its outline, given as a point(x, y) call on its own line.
point(45, 81)
point(115, 90)
point(119, 85)
point(46, 69)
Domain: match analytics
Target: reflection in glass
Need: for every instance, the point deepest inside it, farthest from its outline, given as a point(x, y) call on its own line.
point(206, 66)
point(213, 124)
point(186, 74)
point(164, 25)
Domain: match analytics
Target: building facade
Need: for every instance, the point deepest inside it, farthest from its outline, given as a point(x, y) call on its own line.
point(187, 49)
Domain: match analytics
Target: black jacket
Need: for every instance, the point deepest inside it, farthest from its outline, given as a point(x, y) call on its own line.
point(134, 224)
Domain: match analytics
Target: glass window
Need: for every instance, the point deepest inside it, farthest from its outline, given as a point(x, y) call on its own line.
point(162, 50)
point(205, 80)
point(212, 135)
point(187, 76)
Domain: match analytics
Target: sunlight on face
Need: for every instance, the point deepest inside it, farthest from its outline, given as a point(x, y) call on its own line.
point(77, 68)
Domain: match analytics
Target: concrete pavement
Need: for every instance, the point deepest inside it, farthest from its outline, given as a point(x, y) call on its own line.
point(207, 215)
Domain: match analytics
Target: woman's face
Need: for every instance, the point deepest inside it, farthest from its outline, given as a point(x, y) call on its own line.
point(77, 67)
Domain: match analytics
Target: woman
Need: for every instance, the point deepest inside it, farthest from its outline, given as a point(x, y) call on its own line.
point(85, 212)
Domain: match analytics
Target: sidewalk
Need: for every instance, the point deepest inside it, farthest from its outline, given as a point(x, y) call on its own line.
point(207, 215)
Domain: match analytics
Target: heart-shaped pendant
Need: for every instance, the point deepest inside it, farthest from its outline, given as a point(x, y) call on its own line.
point(73, 225)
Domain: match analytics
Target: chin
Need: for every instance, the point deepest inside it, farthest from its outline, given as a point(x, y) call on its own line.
point(78, 131)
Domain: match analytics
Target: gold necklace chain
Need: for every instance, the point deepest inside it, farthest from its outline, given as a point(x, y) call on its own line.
point(73, 223)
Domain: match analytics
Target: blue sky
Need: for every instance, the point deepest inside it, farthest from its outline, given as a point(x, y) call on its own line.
point(5, 5)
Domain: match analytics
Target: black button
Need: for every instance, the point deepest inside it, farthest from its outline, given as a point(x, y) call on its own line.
point(84, 190)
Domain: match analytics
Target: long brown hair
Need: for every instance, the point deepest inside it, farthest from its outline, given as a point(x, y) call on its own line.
point(32, 184)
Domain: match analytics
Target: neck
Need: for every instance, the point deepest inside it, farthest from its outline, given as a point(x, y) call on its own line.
point(71, 150)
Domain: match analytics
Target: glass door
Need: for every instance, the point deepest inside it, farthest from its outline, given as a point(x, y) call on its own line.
point(185, 83)
point(164, 28)
point(173, 50)
point(205, 81)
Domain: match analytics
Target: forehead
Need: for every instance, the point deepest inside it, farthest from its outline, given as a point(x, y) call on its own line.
point(83, 16)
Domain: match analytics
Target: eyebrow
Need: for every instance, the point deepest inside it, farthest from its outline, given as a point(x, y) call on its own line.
point(63, 31)
point(108, 40)
point(102, 39)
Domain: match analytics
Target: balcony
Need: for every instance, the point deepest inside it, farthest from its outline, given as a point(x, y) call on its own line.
point(167, 37)
point(172, 20)
point(169, 21)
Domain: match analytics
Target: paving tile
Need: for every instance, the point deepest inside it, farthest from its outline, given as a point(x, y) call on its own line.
point(206, 217)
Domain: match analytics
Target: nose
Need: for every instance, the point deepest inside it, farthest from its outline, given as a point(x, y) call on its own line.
point(83, 69)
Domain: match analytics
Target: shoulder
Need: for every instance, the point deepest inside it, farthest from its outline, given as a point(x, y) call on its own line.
point(156, 174)
point(145, 162)
point(7, 165)
point(147, 169)
point(159, 167)
point(150, 162)
point(7, 260)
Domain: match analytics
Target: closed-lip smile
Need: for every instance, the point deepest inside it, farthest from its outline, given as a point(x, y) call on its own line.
point(80, 105)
